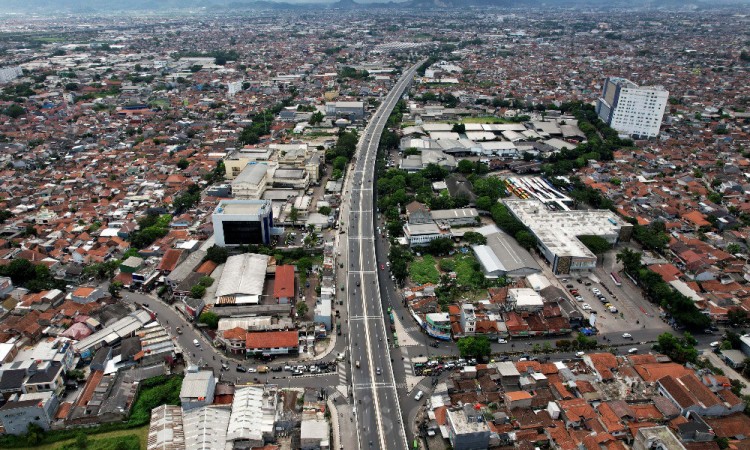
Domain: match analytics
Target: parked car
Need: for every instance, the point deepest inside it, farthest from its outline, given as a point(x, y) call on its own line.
point(196, 343)
point(586, 306)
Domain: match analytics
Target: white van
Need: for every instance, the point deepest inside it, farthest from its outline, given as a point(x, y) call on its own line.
point(419, 395)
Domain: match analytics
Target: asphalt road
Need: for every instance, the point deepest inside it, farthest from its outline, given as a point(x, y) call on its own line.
point(211, 357)
point(377, 410)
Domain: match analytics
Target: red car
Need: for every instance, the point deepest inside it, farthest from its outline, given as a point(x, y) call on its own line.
point(382, 267)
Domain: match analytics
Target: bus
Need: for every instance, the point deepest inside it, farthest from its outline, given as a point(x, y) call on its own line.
point(615, 278)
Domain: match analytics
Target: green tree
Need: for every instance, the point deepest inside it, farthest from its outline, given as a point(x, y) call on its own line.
point(525, 239)
point(440, 246)
point(316, 118)
point(293, 215)
point(474, 347)
point(206, 281)
point(211, 319)
point(733, 248)
point(630, 259)
point(597, 244)
point(679, 350)
point(465, 166)
point(325, 210)
point(82, 440)
point(474, 238)
point(198, 291)
point(301, 309)
point(183, 164)
point(340, 162)
point(459, 128)
point(114, 288)
point(14, 111)
point(217, 254)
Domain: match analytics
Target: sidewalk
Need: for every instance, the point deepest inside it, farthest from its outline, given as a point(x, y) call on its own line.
point(728, 371)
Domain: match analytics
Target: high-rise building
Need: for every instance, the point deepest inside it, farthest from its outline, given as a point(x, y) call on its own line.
point(630, 109)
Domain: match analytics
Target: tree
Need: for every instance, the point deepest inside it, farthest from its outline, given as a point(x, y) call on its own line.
point(82, 440)
point(325, 210)
point(114, 288)
point(198, 291)
point(249, 136)
point(340, 162)
point(5, 215)
point(474, 238)
point(293, 215)
point(465, 166)
point(316, 118)
point(440, 246)
point(301, 309)
point(737, 317)
point(679, 350)
point(217, 254)
point(459, 128)
point(630, 259)
point(525, 239)
point(206, 281)
point(597, 244)
point(474, 347)
point(733, 248)
point(183, 164)
point(211, 319)
point(14, 111)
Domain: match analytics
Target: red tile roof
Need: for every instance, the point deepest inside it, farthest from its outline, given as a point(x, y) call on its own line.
point(272, 339)
point(284, 284)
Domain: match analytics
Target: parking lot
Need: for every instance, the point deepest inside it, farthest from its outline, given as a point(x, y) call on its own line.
point(618, 308)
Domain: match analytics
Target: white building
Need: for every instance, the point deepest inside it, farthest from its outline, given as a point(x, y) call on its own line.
point(206, 428)
point(254, 413)
point(197, 389)
point(422, 234)
point(630, 109)
point(238, 222)
point(557, 232)
point(8, 74)
point(251, 183)
point(243, 279)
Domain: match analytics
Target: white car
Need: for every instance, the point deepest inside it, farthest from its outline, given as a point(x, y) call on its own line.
point(596, 291)
point(419, 395)
point(501, 341)
point(251, 370)
point(579, 298)
point(715, 344)
point(580, 354)
point(633, 351)
point(586, 306)
point(627, 336)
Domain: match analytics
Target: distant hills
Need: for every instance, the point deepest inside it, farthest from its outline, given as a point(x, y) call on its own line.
point(99, 6)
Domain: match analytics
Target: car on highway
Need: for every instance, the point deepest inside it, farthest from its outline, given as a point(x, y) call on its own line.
point(378, 371)
point(356, 364)
point(627, 336)
point(586, 306)
point(357, 283)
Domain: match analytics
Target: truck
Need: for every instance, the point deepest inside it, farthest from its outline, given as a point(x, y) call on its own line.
point(262, 369)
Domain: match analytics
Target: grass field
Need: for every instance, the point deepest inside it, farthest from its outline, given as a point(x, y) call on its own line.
point(424, 270)
point(141, 433)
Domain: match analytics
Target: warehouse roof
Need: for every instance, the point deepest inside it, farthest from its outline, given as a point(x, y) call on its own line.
point(244, 275)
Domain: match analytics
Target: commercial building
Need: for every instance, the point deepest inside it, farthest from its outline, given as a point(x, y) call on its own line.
point(165, 431)
point(422, 234)
point(284, 284)
point(502, 256)
point(243, 280)
point(10, 73)
point(630, 109)
point(197, 389)
point(525, 299)
point(242, 222)
point(206, 428)
point(254, 413)
point(272, 342)
point(22, 410)
point(349, 110)
point(251, 183)
point(455, 217)
point(314, 432)
point(656, 438)
point(557, 233)
point(467, 428)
